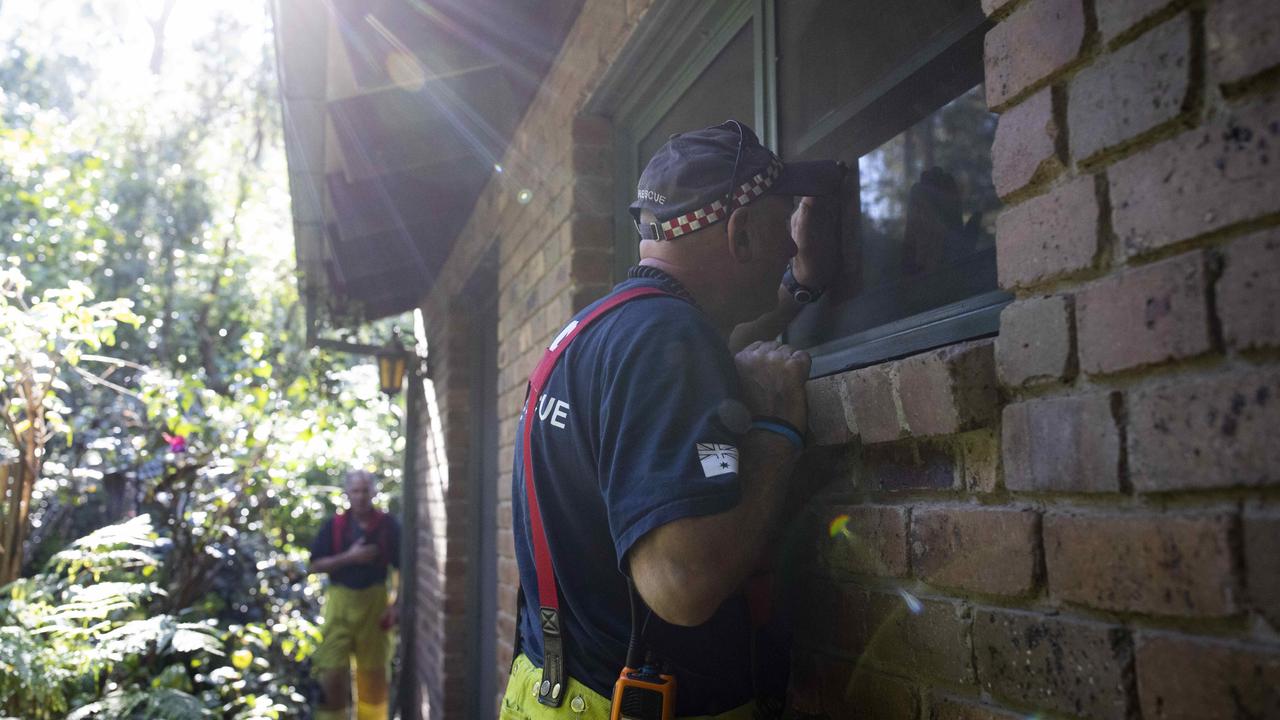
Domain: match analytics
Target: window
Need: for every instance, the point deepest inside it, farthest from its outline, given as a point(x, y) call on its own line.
point(898, 96)
point(895, 94)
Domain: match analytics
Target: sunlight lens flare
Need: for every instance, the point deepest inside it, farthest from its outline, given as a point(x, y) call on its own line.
point(913, 603)
point(839, 526)
point(524, 197)
point(405, 71)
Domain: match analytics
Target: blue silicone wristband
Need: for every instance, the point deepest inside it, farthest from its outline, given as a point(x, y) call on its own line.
point(784, 429)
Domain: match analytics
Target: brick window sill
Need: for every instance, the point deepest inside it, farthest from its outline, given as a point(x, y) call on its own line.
point(939, 392)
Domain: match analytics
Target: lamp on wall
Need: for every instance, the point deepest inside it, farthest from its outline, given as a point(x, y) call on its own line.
point(392, 360)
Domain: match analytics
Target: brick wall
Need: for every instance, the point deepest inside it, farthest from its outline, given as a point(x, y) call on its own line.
point(554, 257)
point(1084, 512)
point(444, 547)
point(1072, 519)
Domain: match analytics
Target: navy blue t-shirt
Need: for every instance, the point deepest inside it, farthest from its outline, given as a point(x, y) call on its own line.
point(358, 577)
point(633, 431)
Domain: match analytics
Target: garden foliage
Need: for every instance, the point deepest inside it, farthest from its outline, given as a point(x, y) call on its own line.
point(190, 442)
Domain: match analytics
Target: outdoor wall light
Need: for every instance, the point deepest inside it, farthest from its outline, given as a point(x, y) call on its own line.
point(392, 360)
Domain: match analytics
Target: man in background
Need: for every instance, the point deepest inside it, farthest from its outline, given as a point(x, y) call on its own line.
point(355, 549)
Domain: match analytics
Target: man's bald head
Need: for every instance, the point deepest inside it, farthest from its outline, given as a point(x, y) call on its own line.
point(360, 485)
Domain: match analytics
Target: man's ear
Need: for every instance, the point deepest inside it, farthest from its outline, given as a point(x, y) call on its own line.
point(739, 236)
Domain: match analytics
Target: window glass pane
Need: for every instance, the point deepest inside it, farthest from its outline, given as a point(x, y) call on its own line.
point(724, 90)
point(923, 233)
point(928, 215)
point(835, 51)
point(907, 110)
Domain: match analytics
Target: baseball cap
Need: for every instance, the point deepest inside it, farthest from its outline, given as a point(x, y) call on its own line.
point(699, 178)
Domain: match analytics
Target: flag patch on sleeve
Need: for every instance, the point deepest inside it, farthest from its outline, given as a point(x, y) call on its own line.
point(717, 459)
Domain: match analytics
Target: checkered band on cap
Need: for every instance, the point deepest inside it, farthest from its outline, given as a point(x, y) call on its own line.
point(720, 209)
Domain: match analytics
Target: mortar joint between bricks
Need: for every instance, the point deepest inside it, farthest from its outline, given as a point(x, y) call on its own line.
point(1235, 540)
point(1120, 416)
point(1109, 253)
point(1214, 239)
point(1196, 101)
point(1214, 265)
point(1091, 46)
point(1265, 81)
point(1039, 566)
point(896, 393)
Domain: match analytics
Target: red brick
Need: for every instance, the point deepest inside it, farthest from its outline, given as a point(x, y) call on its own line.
point(1025, 149)
point(985, 550)
point(1156, 564)
point(1243, 38)
point(908, 466)
point(508, 573)
point(933, 641)
point(1115, 18)
point(882, 630)
point(1036, 343)
point(1048, 236)
point(828, 687)
point(591, 161)
point(592, 197)
point(1262, 565)
point(831, 420)
point(1202, 180)
point(946, 708)
point(1035, 42)
point(949, 390)
point(593, 130)
point(1189, 678)
point(589, 232)
point(588, 267)
point(1136, 89)
point(1249, 292)
point(1144, 316)
point(1068, 444)
point(1216, 431)
point(1063, 666)
point(872, 394)
point(862, 693)
point(875, 541)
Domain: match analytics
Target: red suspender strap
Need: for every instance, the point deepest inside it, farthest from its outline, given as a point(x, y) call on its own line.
point(338, 530)
point(551, 689)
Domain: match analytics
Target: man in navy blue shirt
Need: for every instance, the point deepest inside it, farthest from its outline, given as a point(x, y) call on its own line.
point(356, 550)
point(661, 454)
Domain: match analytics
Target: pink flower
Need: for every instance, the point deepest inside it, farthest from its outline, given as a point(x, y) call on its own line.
point(177, 443)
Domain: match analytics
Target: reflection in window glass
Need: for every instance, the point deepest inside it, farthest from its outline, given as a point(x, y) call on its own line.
point(920, 233)
point(926, 195)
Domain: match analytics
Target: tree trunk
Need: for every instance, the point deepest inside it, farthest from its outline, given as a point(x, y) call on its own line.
point(157, 36)
point(16, 485)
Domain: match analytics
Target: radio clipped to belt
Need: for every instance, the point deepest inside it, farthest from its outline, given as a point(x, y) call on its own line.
point(644, 690)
